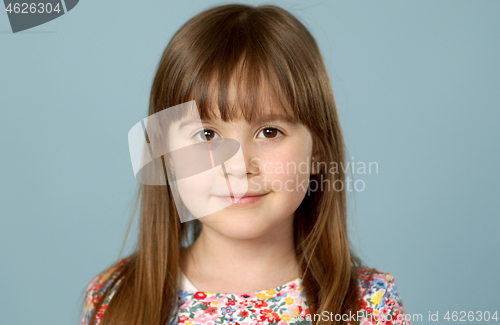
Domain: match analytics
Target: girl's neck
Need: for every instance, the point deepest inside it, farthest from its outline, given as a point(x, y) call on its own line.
point(217, 263)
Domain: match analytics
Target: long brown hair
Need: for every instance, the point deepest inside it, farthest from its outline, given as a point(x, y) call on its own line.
point(271, 52)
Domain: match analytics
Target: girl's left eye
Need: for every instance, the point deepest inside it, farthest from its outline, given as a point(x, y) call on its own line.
point(270, 133)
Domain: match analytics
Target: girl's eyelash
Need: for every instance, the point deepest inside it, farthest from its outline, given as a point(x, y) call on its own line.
point(264, 128)
point(272, 128)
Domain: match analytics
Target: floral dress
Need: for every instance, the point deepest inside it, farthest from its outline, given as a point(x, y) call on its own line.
point(379, 303)
point(284, 305)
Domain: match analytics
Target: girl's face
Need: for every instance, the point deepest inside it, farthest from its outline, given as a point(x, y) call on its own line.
point(273, 173)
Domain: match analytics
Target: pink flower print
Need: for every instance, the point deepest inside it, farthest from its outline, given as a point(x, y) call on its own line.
point(213, 298)
point(256, 322)
point(201, 318)
point(240, 307)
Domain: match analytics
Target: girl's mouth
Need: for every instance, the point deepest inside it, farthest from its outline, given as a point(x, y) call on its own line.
point(245, 200)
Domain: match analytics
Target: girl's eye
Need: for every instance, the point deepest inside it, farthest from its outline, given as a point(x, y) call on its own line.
point(270, 133)
point(206, 135)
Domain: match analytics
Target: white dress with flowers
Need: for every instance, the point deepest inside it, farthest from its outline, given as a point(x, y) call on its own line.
point(282, 305)
point(286, 304)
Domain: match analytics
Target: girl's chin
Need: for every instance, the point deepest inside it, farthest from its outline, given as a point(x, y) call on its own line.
point(242, 226)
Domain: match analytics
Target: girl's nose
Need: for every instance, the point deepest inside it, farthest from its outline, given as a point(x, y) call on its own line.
point(241, 165)
point(236, 165)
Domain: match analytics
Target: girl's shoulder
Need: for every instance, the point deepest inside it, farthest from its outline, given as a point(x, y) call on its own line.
point(379, 296)
point(98, 286)
point(367, 276)
point(101, 281)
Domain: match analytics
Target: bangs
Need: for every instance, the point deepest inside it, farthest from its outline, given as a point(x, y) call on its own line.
point(246, 92)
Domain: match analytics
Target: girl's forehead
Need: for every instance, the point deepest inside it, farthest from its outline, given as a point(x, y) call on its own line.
point(264, 108)
point(266, 115)
point(243, 97)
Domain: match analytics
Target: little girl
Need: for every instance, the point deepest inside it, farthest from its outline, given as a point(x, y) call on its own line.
point(278, 252)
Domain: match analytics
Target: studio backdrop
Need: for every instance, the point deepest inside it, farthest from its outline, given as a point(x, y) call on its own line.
point(417, 89)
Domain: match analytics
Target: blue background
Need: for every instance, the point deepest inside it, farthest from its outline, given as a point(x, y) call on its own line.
point(417, 88)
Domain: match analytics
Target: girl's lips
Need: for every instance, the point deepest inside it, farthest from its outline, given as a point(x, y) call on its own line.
point(246, 200)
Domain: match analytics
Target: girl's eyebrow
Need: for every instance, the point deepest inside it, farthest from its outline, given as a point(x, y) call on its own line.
point(263, 119)
point(278, 117)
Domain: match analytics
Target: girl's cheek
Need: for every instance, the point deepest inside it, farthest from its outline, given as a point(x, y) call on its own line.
point(197, 192)
point(286, 166)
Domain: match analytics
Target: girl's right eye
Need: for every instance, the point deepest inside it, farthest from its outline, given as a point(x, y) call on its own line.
point(205, 135)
